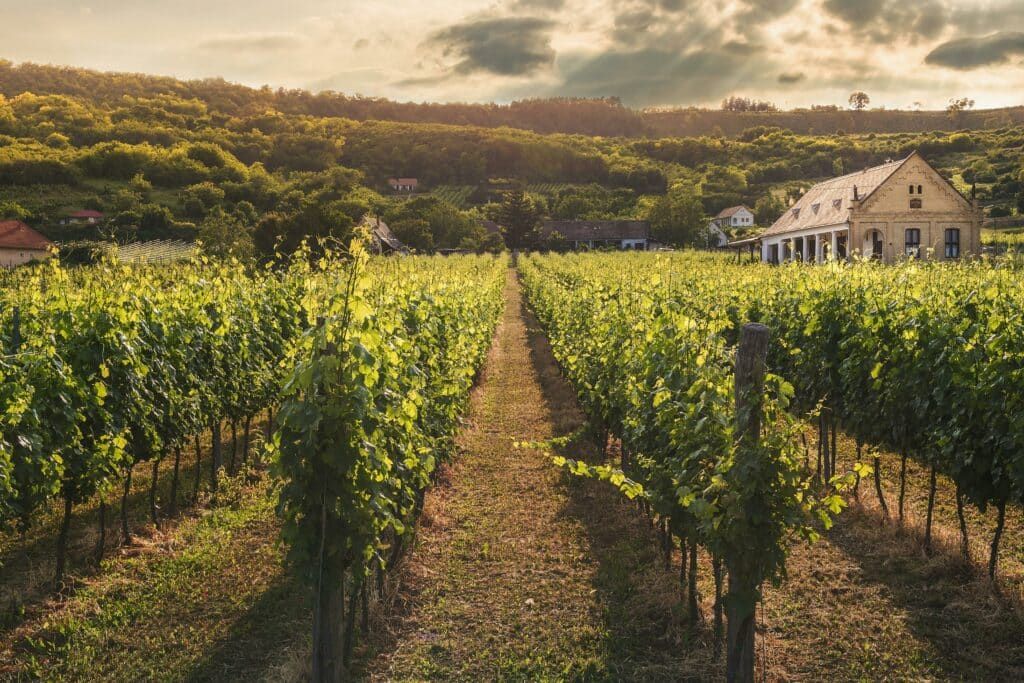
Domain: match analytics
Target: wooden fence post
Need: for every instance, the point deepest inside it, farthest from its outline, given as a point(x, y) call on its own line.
point(749, 387)
point(16, 331)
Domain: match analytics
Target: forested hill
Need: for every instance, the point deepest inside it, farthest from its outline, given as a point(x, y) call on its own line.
point(597, 117)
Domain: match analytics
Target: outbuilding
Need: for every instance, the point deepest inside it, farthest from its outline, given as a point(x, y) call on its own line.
point(21, 244)
point(611, 234)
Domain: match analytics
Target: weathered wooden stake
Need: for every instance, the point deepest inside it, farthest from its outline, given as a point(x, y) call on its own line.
point(751, 357)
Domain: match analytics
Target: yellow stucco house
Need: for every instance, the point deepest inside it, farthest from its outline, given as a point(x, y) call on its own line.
point(899, 209)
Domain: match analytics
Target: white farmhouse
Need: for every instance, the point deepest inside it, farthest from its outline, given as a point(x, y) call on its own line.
point(733, 217)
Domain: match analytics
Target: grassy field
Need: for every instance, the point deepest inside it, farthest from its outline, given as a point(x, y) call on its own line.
point(204, 597)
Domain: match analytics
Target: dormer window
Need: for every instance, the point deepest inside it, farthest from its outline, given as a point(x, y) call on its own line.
point(796, 213)
point(815, 207)
point(837, 203)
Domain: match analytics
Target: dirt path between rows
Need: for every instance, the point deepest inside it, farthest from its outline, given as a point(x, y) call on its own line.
point(518, 574)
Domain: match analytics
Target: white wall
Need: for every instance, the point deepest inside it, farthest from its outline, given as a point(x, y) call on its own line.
point(16, 257)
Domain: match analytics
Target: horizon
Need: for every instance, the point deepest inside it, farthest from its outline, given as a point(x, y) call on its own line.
point(648, 53)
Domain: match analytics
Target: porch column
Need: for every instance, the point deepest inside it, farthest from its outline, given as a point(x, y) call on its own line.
point(819, 247)
point(834, 254)
point(807, 250)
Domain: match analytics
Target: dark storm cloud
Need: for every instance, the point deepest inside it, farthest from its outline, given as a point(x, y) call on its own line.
point(790, 77)
point(543, 5)
point(657, 75)
point(976, 51)
point(855, 12)
point(884, 20)
point(970, 20)
point(251, 41)
point(507, 46)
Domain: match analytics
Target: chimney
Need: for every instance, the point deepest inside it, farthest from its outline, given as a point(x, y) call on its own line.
point(856, 196)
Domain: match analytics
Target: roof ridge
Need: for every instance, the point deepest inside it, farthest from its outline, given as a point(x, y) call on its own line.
point(865, 170)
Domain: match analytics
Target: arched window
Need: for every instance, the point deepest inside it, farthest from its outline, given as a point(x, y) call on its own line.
point(919, 191)
point(912, 242)
point(952, 242)
point(911, 189)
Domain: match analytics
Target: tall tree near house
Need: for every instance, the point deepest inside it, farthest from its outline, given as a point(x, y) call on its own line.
point(859, 100)
point(678, 218)
point(519, 216)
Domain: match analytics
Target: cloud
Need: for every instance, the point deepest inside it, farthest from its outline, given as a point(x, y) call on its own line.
point(884, 20)
point(506, 46)
point(975, 51)
point(854, 12)
point(542, 5)
point(658, 75)
point(789, 77)
point(764, 10)
point(251, 41)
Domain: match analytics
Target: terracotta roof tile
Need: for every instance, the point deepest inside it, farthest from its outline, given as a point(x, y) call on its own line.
point(17, 235)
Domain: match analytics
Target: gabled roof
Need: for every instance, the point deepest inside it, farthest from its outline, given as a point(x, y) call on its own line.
point(732, 211)
point(578, 231)
point(403, 181)
point(17, 235)
point(382, 233)
point(86, 213)
point(828, 202)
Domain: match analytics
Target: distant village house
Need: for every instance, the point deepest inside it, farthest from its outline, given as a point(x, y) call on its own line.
point(20, 244)
point(899, 209)
point(84, 216)
point(404, 184)
point(733, 217)
point(621, 234)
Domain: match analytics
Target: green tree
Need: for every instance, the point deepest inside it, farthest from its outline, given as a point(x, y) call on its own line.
point(859, 100)
point(414, 233)
point(678, 218)
point(767, 209)
point(223, 235)
point(139, 185)
point(519, 216)
point(13, 211)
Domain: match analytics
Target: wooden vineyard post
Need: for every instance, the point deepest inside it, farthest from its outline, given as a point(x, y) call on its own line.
point(329, 622)
point(740, 603)
point(16, 331)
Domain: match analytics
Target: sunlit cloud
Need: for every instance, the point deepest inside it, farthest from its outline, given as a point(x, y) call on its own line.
point(648, 52)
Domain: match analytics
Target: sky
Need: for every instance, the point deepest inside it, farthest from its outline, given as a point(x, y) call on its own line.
point(903, 53)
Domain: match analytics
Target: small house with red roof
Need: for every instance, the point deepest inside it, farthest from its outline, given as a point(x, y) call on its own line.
point(21, 244)
point(89, 216)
